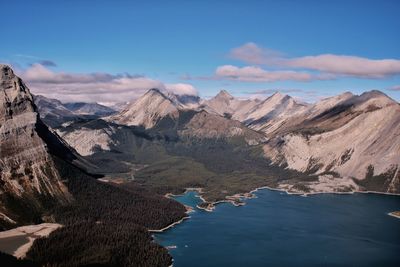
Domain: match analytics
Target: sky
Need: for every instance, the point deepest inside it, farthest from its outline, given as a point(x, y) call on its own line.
point(113, 51)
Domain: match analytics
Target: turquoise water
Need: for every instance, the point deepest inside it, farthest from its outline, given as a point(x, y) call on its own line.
point(277, 229)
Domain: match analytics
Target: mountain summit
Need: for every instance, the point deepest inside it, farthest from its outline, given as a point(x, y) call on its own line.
point(225, 104)
point(147, 110)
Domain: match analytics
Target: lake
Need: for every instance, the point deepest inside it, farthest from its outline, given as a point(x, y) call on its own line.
point(277, 229)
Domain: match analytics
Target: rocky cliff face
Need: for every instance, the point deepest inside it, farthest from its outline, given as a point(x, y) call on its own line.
point(356, 138)
point(30, 182)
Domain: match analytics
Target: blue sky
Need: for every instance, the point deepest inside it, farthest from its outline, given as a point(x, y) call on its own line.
point(185, 42)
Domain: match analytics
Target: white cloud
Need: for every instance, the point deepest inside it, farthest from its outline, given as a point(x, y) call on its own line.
point(347, 65)
point(257, 74)
point(253, 54)
point(93, 87)
point(182, 89)
point(395, 88)
point(326, 63)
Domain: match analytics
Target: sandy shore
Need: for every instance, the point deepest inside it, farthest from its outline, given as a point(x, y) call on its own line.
point(395, 214)
point(169, 226)
point(237, 199)
point(30, 232)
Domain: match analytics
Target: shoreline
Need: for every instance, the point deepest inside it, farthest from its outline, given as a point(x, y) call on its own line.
point(395, 214)
point(168, 226)
point(250, 195)
point(236, 199)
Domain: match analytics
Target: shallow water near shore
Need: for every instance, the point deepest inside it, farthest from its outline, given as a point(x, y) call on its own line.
point(277, 229)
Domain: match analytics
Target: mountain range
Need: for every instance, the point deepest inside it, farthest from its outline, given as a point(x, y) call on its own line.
point(348, 141)
point(91, 168)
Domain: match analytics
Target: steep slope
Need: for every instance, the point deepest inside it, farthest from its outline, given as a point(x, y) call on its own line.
point(353, 137)
point(52, 111)
point(147, 110)
point(30, 181)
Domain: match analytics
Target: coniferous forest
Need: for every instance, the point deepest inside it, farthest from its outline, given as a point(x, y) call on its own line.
point(106, 225)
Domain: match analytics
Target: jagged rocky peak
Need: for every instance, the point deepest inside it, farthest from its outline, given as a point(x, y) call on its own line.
point(14, 95)
point(278, 95)
point(223, 103)
point(147, 110)
point(223, 94)
point(27, 170)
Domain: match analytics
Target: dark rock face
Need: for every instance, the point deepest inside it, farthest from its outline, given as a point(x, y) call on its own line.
point(29, 180)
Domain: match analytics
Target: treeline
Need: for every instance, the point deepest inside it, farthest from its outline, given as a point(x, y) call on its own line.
point(99, 244)
point(106, 225)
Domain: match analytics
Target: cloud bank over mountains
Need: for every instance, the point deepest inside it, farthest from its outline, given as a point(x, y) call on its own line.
point(307, 68)
point(94, 87)
point(255, 64)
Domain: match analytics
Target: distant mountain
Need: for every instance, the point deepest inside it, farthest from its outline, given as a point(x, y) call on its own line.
point(165, 112)
point(227, 105)
point(52, 111)
point(147, 110)
point(30, 181)
point(83, 108)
